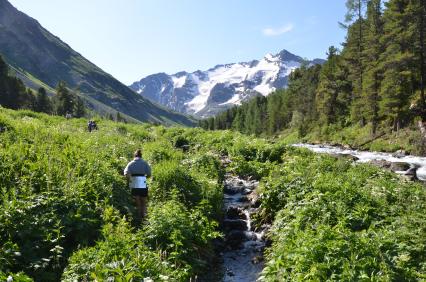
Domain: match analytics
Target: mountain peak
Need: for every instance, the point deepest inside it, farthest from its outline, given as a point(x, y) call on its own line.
point(205, 93)
point(286, 56)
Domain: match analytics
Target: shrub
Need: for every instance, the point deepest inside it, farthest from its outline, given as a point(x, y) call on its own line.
point(120, 255)
point(334, 220)
point(184, 235)
point(170, 176)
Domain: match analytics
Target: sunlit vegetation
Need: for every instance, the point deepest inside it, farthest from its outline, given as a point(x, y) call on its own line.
point(66, 213)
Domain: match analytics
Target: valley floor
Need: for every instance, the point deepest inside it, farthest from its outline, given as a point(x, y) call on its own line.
point(67, 214)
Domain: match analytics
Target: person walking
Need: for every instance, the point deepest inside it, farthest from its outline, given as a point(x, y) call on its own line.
point(89, 125)
point(136, 172)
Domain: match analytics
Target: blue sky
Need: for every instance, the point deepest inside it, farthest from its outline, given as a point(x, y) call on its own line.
point(133, 38)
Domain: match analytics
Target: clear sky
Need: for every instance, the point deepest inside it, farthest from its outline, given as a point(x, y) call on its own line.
point(131, 39)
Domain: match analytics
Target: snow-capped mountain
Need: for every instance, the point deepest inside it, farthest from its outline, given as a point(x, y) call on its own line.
point(205, 93)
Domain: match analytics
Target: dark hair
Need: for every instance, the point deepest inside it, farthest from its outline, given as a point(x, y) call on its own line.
point(138, 153)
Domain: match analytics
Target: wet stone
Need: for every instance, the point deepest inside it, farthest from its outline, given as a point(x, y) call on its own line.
point(257, 259)
point(411, 174)
point(235, 213)
point(345, 156)
point(243, 199)
point(381, 163)
point(231, 190)
point(251, 236)
point(400, 166)
point(246, 191)
point(399, 154)
point(235, 224)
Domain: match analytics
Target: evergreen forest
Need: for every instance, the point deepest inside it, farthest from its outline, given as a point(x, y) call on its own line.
point(374, 83)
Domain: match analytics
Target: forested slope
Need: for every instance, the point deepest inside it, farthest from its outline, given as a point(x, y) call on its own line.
point(374, 84)
point(42, 58)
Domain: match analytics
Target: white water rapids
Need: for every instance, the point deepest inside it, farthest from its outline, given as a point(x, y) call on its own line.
point(366, 156)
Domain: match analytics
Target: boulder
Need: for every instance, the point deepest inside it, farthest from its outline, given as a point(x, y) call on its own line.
point(246, 191)
point(381, 163)
point(345, 156)
point(231, 190)
point(411, 174)
point(235, 213)
point(256, 259)
point(399, 166)
point(399, 154)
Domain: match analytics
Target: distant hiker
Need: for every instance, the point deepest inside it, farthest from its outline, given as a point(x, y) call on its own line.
point(89, 125)
point(68, 115)
point(136, 172)
point(94, 125)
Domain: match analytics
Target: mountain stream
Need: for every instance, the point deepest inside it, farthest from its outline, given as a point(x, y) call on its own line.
point(398, 162)
point(243, 249)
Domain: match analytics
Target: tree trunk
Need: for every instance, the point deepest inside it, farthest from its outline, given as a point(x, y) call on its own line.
point(360, 47)
point(422, 60)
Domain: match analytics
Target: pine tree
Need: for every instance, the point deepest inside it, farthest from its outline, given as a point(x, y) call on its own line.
point(371, 54)
point(331, 95)
point(397, 63)
point(416, 14)
point(239, 120)
point(5, 97)
point(79, 108)
point(43, 103)
point(64, 99)
point(275, 111)
point(353, 54)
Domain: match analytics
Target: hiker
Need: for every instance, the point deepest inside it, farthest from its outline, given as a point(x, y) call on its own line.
point(136, 172)
point(89, 125)
point(94, 125)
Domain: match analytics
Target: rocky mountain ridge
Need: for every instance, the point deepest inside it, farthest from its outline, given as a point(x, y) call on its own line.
point(205, 93)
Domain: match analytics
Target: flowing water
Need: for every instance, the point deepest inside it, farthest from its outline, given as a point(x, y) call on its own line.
point(416, 164)
point(243, 253)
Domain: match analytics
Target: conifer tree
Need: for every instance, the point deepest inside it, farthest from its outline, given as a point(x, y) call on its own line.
point(239, 120)
point(43, 103)
point(64, 99)
point(79, 108)
point(330, 97)
point(372, 51)
point(353, 54)
point(416, 13)
point(396, 63)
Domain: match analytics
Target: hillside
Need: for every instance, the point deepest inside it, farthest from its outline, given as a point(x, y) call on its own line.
point(206, 93)
point(39, 57)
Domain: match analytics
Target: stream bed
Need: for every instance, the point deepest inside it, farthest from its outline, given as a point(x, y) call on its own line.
point(397, 162)
point(243, 251)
